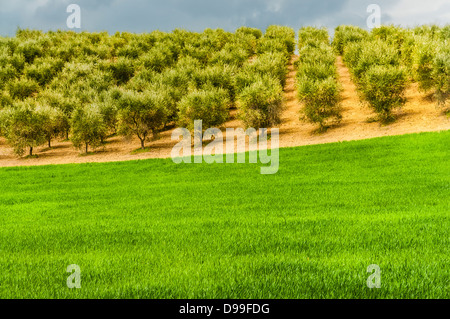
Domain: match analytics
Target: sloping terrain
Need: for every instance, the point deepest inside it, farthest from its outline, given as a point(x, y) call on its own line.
point(420, 114)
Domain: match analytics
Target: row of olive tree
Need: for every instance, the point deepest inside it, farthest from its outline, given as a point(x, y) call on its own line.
point(431, 67)
point(259, 84)
point(87, 86)
point(377, 68)
point(317, 78)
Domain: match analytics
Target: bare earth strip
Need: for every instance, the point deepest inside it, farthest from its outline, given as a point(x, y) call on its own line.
point(420, 114)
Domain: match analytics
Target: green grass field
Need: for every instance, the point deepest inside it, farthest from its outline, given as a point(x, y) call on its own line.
point(153, 229)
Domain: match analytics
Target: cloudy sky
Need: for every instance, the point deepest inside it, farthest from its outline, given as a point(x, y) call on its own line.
point(196, 15)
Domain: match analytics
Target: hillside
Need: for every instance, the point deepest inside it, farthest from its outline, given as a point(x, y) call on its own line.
point(420, 114)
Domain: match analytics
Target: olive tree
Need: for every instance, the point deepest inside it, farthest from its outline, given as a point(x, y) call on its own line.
point(141, 114)
point(87, 127)
point(260, 104)
point(22, 125)
point(384, 89)
point(210, 104)
point(55, 124)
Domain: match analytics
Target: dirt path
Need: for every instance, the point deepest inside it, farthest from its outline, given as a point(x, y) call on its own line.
point(418, 115)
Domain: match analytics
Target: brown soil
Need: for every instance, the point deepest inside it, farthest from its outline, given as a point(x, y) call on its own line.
point(420, 114)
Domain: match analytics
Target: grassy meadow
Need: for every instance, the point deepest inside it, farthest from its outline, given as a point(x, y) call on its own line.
point(154, 229)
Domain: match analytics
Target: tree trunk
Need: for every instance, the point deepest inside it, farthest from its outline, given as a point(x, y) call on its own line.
point(87, 147)
point(31, 150)
point(142, 144)
point(49, 143)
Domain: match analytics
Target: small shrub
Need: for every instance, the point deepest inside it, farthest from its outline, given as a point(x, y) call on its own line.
point(352, 54)
point(316, 71)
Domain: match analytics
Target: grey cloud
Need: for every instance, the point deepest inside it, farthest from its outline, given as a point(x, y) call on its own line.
point(196, 15)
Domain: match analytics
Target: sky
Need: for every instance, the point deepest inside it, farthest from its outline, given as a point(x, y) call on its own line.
point(196, 15)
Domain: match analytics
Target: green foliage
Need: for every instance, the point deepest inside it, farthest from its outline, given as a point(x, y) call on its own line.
point(59, 101)
point(7, 73)
point(30, 49)
point(310, 36)
point(141, 114)
point(23, 126)
point(22, 88)
point(250, 31)
point(229, 55)
point(157, 58)
point(83, 80)
point(423, 63)
point(44, 70)
point(260, 104)
point(321, 100)
point(407, 51)
point(112, 77)
point(375, 52)
point(431, 67)
point(142, 80)
point(211, 105)
point(266, 45)
point(87, 127)
point(441, 74)
point(383, 89)
point(279, 40)
point(445, 33)
point(390, 34)
point(218, 77)
point(317, 80)
point(431, 31)
point(122, 70)
point(55, 123)
point(321, 53)
point(5, 100)
point(347, 34)
point(109, 112)
point(376, 64)
point(285, 35)
point(271, 63)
